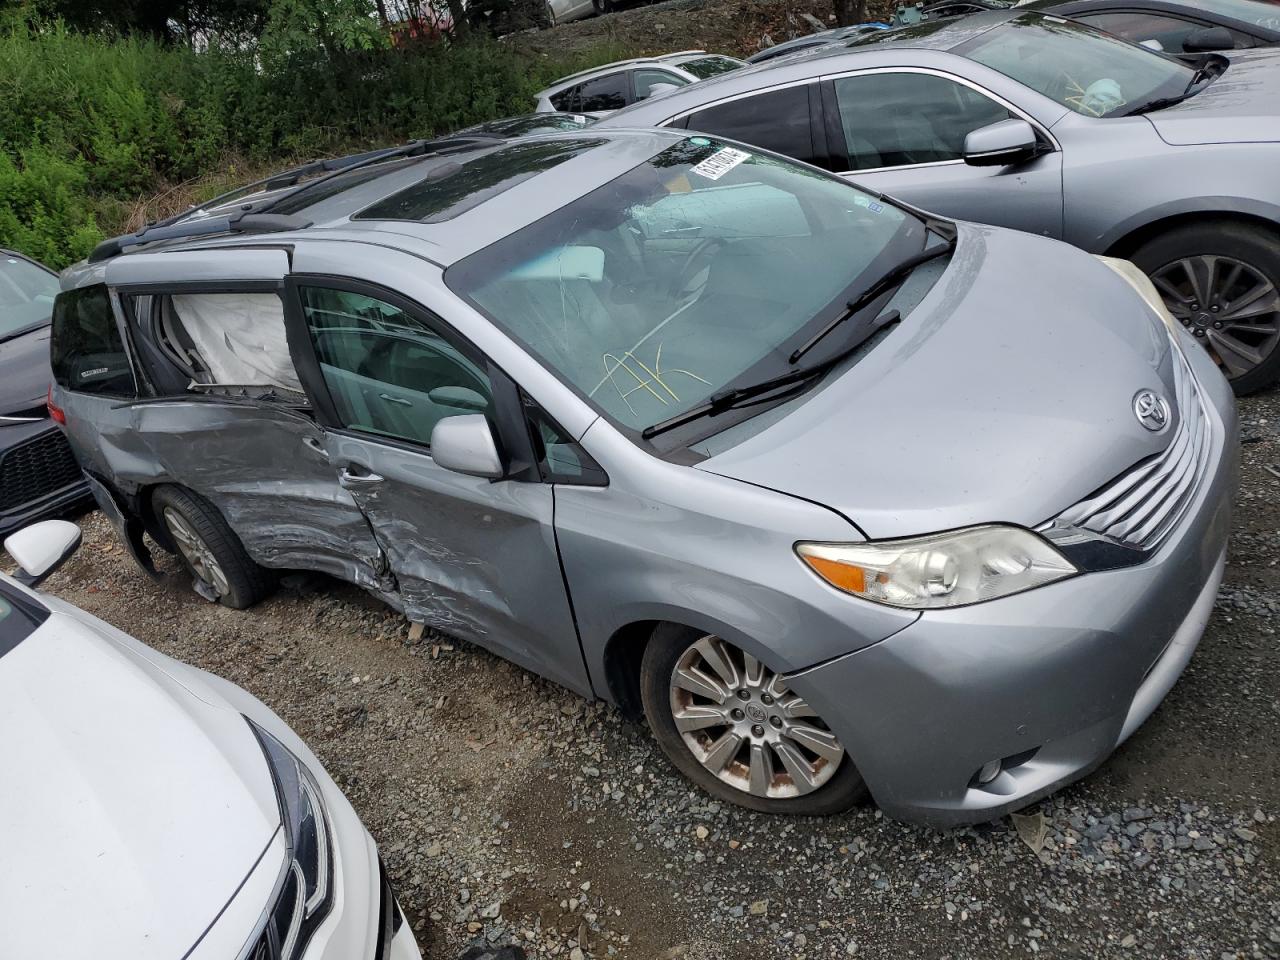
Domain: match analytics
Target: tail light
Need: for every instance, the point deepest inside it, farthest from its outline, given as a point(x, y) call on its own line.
point(59, 415)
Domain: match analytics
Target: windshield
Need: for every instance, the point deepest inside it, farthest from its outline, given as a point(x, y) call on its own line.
point(705, 67)
point(26, 295)
point(696, 271)
point(1091, 72)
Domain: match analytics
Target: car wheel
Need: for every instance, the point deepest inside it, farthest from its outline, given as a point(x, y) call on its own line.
point(602, 6)
point(1222, 282)
point(550, 16)
point(730, 724)
point(210, 550)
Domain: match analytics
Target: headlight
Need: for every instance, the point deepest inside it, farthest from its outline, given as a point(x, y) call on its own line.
point(940, 570)
point(304, 892)
point(1146, 289)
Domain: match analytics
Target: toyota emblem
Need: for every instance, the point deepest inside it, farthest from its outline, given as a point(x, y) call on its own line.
point(1151, 409)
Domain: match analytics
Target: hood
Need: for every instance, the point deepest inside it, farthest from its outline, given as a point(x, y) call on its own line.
point(1240, 106)
point(1006, 395)
point(24, 372)
point(130, 810)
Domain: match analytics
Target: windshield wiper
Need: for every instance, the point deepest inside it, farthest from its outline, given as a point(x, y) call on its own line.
point(728, 399)
point(1203, 72)
point(890, 279)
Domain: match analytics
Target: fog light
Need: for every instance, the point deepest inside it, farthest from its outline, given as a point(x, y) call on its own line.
point(988, 772)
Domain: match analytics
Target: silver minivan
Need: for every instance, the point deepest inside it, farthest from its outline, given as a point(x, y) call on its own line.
point(842, 497)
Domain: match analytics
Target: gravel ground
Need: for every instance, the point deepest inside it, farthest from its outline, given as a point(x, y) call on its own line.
point(510, 810)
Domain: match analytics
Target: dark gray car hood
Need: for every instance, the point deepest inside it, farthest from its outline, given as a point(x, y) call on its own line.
point(1005, 396)
point(1241, 106)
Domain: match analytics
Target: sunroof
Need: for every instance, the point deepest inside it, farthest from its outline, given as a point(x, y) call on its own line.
point(452, 189)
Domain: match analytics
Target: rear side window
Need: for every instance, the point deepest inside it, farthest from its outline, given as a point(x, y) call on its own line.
point(87, 352)
point(604, 93)
point(778, 120)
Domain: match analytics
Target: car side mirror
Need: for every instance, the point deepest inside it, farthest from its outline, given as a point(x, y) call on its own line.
point(1000, 144)
point(1152, 44)
point(658, 89)
point(1209, 39)
point(465, 444)
point(42, 548)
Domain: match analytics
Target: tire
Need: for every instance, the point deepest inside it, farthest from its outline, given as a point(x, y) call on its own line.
point(1213, 250)
point(833, 786)
point(209, 549)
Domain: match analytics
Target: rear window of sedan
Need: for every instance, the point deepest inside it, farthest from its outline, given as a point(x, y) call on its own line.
point(453, 188)
point(705, 67)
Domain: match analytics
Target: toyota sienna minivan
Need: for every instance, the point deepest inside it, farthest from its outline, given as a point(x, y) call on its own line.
point(844, 498)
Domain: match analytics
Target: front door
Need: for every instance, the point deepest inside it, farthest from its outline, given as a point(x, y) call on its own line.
point(903, 135)
point(473, 557)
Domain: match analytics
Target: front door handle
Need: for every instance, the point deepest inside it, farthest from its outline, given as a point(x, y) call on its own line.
point(359, 478)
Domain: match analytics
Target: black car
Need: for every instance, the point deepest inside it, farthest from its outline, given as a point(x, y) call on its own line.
point(38, 475)
point(1178, 27)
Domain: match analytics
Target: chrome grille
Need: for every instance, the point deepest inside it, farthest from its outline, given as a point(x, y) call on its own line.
point(1141, 506)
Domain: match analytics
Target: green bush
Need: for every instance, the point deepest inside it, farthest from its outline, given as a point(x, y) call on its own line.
point(90, 124)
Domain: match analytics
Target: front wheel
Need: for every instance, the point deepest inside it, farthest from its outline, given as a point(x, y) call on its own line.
point(1221, 281)
point(730, 724)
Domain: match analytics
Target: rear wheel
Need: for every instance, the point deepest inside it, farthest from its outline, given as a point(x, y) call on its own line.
point(1222, 282)
point(210, 550)
point(730, 724)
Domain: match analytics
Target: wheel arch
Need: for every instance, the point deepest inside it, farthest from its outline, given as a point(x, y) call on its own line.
point(625, 646)
point(1130, 237)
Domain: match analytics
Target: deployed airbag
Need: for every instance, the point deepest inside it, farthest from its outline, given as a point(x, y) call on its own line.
point(239, 336)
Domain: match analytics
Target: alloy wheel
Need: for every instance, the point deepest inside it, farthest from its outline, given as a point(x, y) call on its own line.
point(737, 717)
point(1229, 305)
point(197, 553)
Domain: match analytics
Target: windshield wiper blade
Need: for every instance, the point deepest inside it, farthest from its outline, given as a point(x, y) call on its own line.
point(1203, 72)
point(728, 399)
point(890, 279)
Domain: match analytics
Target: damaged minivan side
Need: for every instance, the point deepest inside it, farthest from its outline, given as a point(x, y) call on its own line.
point(690, 427)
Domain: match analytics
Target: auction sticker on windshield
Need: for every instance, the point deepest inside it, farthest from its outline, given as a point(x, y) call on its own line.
point(720, 163)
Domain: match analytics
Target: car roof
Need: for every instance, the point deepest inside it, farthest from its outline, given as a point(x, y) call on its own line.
point(928, 43)
point(665, 60)
point(1234, 17)
point(340, 213)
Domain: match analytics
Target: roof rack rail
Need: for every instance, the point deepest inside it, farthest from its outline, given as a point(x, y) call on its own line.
point(677, 53)
point(256, 218)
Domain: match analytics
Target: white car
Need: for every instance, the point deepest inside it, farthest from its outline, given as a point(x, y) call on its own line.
point(151, 811)
point(613, 86)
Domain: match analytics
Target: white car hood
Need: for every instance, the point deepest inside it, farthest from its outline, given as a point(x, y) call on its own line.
point(131, 811)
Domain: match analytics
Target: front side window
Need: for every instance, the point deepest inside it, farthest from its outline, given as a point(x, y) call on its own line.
point(566, 100)
point(388, 372)
point(87, 351)
point(26, 295)
point(1078, 66)
point(776, 120)
point(898, 119)
point(604, 93)
point(702, 268)
point(649, 82)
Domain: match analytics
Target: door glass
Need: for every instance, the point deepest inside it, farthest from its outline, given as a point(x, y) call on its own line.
point(388, 372)
point(604, 93)
point(646, 80)
point(777, 120)
point(1170, 32)
point(567, 100)
point(896, 119)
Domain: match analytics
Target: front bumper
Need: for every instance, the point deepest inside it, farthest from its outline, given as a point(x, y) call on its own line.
point(39, 477)
point(1050, 681)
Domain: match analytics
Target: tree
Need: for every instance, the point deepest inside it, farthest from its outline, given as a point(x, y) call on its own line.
point(164, 20)
point(849, 12)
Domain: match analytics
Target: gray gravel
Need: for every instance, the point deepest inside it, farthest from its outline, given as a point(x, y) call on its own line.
point(510, 810)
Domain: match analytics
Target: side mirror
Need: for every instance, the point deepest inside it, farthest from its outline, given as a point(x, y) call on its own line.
point(460, 398)
point(1153, 44)
point(658, 89)
point(465, 444)
point(41, 549)
point(1209, 39)
point(1000, 144)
